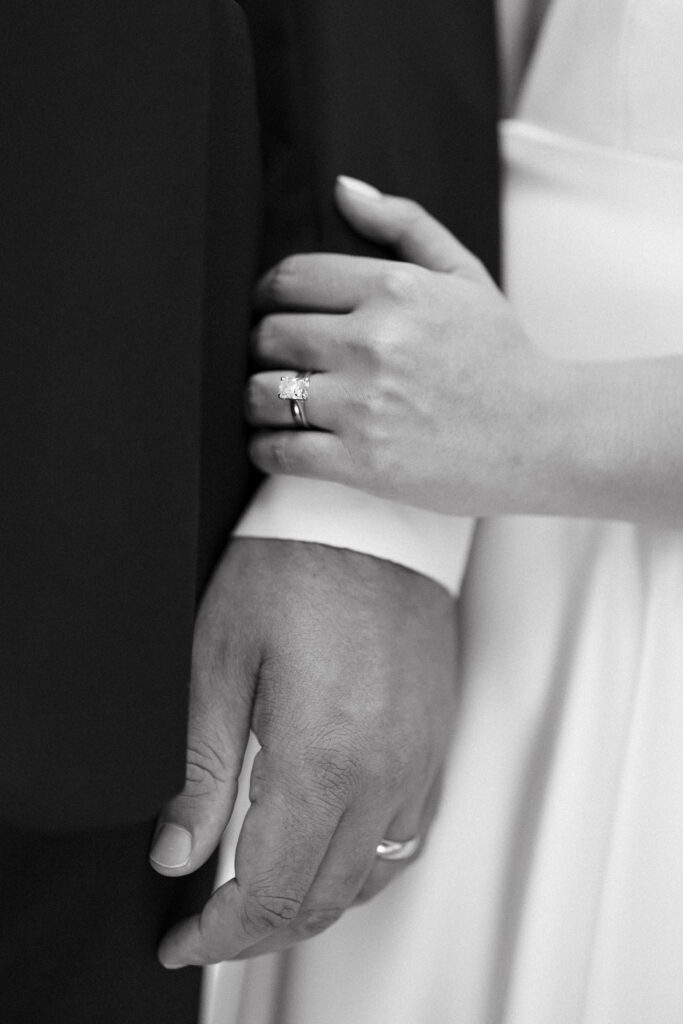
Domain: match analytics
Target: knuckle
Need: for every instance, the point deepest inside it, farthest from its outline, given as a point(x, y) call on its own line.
point(357, 344)
point(264, 912)
point(371, 409)
point(336, 772)
point(206, 768)
point(412, 212)
point(399, 282)
point(389, 390)
point(409, 218)
point(380, 341)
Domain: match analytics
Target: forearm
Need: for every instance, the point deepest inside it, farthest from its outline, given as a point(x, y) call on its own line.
point(607, 442)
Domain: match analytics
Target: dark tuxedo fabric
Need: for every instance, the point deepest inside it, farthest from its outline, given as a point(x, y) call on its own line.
point(80, 917)
point(129, 168)
point(143, 177)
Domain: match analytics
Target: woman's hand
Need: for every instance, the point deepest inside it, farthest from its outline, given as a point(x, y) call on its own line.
point(425, 389)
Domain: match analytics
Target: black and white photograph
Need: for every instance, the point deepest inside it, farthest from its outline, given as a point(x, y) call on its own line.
point(341, 529)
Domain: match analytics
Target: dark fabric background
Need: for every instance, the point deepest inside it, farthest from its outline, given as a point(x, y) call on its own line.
point(123, 140)
point(82, 914)
point(399, 94)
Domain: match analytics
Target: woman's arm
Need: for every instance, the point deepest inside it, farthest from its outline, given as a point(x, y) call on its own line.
point(430, 392)
point(611, 443)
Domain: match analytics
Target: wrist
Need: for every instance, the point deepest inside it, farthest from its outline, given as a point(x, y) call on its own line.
point(540, 443)
point(590, 453)
point(566, 445)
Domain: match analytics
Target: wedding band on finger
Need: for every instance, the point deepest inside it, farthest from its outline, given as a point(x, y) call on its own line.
point(298, 411)
point(396, 849)
point(295, 390)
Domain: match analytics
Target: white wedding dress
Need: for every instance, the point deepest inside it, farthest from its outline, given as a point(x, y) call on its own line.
point(551, 889)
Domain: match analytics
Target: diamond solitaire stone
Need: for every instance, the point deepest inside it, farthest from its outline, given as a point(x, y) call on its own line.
point(294, 388)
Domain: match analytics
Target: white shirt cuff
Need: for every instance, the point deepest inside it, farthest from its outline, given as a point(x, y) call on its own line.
point(291, 508)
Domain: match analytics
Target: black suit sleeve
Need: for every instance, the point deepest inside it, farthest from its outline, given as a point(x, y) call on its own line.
point(104, 126)
point(399, 94)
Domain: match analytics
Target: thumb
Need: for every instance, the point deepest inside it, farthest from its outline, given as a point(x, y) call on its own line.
point(390, 220)
point(191, 825)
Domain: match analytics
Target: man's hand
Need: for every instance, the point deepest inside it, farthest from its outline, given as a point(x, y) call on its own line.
point(343, 666)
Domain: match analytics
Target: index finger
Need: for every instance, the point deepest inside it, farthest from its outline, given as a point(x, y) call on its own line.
point(320, 281)
point(283, 841)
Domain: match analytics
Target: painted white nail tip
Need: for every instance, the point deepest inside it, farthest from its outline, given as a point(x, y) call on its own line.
point(360, 188)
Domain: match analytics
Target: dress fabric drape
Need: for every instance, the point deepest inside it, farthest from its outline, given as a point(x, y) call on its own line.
point(551, 888)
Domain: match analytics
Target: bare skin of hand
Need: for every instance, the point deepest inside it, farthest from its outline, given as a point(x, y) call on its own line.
point(427, 389)
point(343, 666)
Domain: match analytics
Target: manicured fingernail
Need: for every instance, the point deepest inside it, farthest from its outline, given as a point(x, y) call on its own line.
point(359, 188)
point(172, 847)
point(173, 967)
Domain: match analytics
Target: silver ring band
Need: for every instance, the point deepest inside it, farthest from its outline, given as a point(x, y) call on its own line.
point(395, 849)
point(298, 411)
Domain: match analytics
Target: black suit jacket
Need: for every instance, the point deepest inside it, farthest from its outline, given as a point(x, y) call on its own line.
point(133, 186)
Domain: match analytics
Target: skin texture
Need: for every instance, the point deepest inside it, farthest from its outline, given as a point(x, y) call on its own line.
point(429, 391)
point(343, 665)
